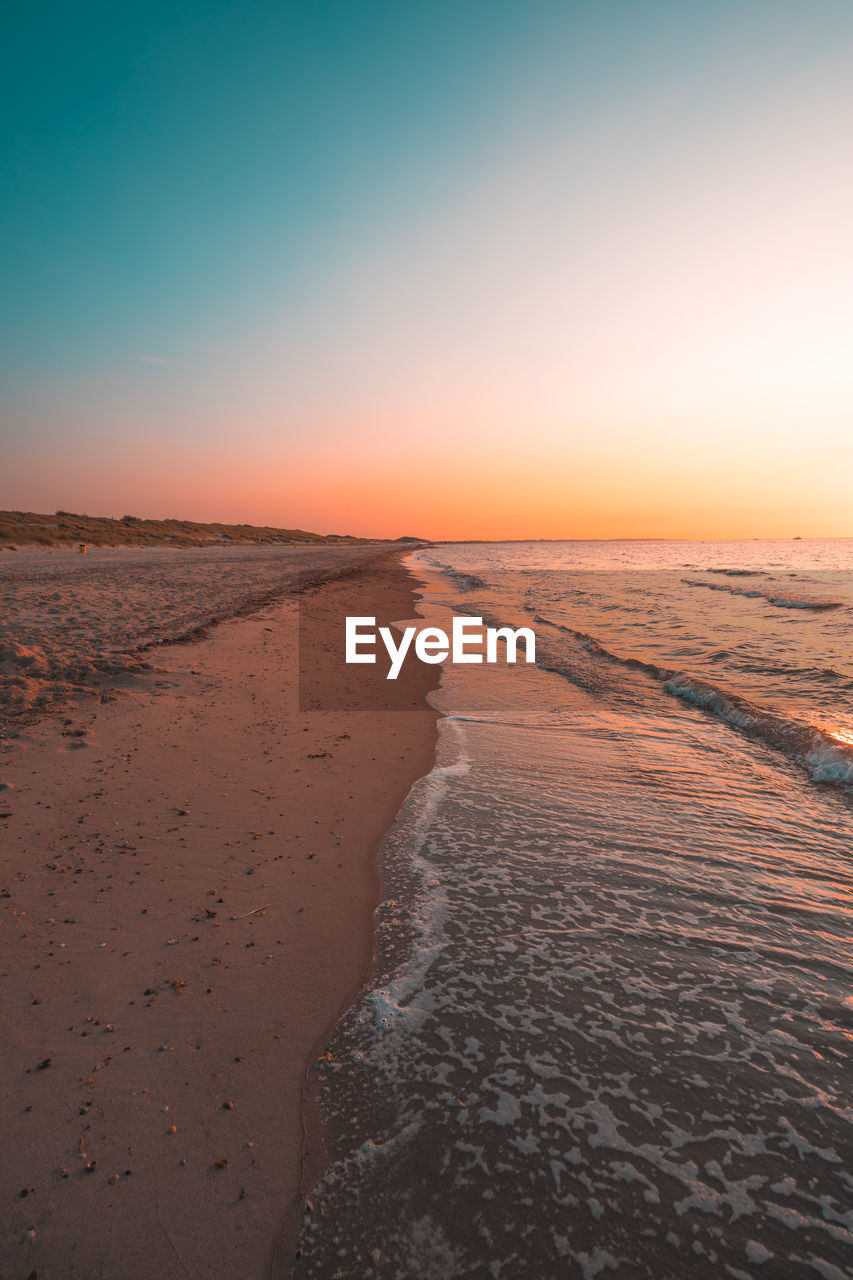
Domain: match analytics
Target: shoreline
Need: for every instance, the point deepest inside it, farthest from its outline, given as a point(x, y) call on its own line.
point(171, 952)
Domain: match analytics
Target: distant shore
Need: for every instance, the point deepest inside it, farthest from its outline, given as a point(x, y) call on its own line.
point(66, 528)
point(189, 874)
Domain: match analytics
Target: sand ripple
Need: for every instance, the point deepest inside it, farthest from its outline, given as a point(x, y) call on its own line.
point(73, 624)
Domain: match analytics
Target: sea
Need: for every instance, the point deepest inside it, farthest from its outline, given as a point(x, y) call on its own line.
point(609, 1030)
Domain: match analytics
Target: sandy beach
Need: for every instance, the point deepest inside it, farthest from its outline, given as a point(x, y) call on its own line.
point(188, 876)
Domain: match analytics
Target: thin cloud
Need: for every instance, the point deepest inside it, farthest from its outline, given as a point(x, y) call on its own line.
point(155, 360)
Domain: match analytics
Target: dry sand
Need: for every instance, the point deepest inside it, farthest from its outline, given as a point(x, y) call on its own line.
point(188, 873)
point(72, 624)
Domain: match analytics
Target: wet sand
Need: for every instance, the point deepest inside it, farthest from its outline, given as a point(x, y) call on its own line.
point(188, 875)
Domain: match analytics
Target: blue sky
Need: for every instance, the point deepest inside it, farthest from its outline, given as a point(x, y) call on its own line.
point(164, 159)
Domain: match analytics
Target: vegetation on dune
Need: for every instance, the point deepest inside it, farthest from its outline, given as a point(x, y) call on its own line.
point(18, 528)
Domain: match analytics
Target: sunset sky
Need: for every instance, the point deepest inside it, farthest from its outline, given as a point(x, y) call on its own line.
point(481, 268)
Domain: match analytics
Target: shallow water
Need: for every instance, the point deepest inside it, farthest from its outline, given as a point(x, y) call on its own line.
point(611, 1023)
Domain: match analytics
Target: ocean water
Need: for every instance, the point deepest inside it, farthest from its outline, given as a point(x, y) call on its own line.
point(610, 1027)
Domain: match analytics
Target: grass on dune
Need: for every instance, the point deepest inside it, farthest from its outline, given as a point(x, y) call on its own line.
point(18, 528)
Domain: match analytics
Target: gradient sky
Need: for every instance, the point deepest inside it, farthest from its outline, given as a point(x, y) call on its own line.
point(479, 269)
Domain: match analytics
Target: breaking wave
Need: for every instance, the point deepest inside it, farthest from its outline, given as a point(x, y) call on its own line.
point(825, 757)
point(774, 598)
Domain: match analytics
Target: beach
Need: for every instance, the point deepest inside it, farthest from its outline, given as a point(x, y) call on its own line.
point(524, 969)
point(188, 876)
point(426, 642)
